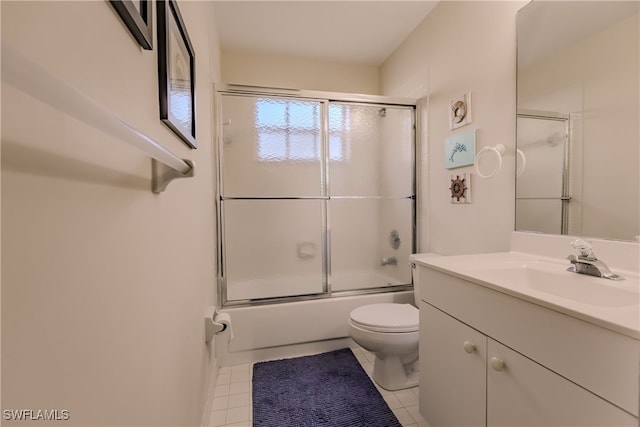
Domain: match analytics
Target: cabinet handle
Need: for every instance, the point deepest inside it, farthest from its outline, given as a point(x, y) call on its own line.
point(469, 347)
point(497, 364)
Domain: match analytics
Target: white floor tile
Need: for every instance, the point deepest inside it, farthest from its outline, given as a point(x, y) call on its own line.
point(221, 390)
point(237, 415)
point(218, 418)
point(407, 397)
point(242, 387)
point(240, 399)
point(220, 402)
point(415, 413)
point(392, 400)
point(224, 378)
point(403, 416)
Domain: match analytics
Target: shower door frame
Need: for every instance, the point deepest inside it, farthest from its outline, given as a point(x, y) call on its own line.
point(325, 98)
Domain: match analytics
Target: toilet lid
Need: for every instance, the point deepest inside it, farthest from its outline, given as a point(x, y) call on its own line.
point(387, 317)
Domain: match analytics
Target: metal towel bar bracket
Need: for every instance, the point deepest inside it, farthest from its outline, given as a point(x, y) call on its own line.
point(163, 174)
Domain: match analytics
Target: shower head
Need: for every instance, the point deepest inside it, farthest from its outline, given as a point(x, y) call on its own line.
point(382, 112)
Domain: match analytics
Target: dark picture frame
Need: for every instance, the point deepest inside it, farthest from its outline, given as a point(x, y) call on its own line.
point(137, 19)
point(176, 73)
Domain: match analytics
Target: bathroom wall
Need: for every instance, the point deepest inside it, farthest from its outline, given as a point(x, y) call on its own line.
point(462, 47)
point(104, 284)
point(281, 71)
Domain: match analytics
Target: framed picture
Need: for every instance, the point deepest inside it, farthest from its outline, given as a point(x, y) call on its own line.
point(136, 15)
point(460, 111)
point(176, 73)
point(460, 188)
point(460, 149)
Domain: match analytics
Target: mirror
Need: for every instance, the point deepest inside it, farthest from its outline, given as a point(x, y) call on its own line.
point(578, 119)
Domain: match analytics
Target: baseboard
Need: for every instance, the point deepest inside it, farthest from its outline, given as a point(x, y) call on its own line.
point(211, 388)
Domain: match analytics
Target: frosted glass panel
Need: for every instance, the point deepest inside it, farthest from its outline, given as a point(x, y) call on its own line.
point(273, 248)
point(364, 233)
point(370, 150)
point(542, 215)
point(266, 142)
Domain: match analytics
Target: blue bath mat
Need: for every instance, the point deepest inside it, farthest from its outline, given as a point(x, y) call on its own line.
point(328, 390)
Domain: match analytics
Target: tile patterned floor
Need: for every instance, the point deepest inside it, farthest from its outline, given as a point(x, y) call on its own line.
point(232, 398)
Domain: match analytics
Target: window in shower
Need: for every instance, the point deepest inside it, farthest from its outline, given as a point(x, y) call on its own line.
point(287, 130)
point(316, 197)
point(339, 128)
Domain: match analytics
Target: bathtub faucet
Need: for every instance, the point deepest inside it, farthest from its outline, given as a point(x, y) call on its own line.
point(389, 261)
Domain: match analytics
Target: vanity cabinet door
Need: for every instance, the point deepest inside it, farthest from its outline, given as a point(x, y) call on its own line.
point(521, 392)
point(452, 370)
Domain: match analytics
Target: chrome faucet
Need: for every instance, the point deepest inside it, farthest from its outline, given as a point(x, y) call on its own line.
point(587, 263)
point(389, 261)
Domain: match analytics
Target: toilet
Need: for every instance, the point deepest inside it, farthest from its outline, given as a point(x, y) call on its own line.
point(390, 331)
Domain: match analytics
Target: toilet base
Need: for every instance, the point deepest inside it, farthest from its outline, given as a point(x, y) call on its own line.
point(391, 374)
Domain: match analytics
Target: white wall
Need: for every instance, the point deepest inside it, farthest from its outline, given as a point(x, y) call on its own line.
point(250, 68)
point(104, 284)
point(462, 47)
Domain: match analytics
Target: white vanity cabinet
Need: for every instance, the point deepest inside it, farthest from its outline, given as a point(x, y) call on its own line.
point(491, 359)
point(453, 359)
point(525, 393)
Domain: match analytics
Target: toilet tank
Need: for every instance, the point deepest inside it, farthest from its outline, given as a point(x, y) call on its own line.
point(415, 273)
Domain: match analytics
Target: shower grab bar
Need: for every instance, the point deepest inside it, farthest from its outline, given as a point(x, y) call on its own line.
point(29, 77)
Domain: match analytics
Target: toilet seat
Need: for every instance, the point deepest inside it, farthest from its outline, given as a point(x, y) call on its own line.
point(387, 317)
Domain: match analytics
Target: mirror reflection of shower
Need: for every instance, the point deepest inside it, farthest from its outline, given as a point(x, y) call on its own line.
point(543, 190)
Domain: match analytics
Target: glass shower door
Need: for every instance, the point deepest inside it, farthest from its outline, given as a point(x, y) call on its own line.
point(316, 197)
point(371, 193)
point(272, 197)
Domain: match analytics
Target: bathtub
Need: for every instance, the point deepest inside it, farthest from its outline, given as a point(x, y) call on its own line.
point(293, 328)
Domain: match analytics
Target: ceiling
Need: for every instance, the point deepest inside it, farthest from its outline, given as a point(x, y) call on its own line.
point(363, 32)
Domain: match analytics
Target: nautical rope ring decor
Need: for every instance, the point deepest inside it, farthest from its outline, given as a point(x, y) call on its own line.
point(459, 109)
point(458, 188)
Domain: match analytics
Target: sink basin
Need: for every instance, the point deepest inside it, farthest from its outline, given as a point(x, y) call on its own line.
point(571, 286)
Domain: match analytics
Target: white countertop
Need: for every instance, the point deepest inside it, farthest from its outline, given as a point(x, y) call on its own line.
point(544, 281)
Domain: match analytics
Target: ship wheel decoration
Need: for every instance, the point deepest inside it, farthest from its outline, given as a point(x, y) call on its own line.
point(460, 189)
